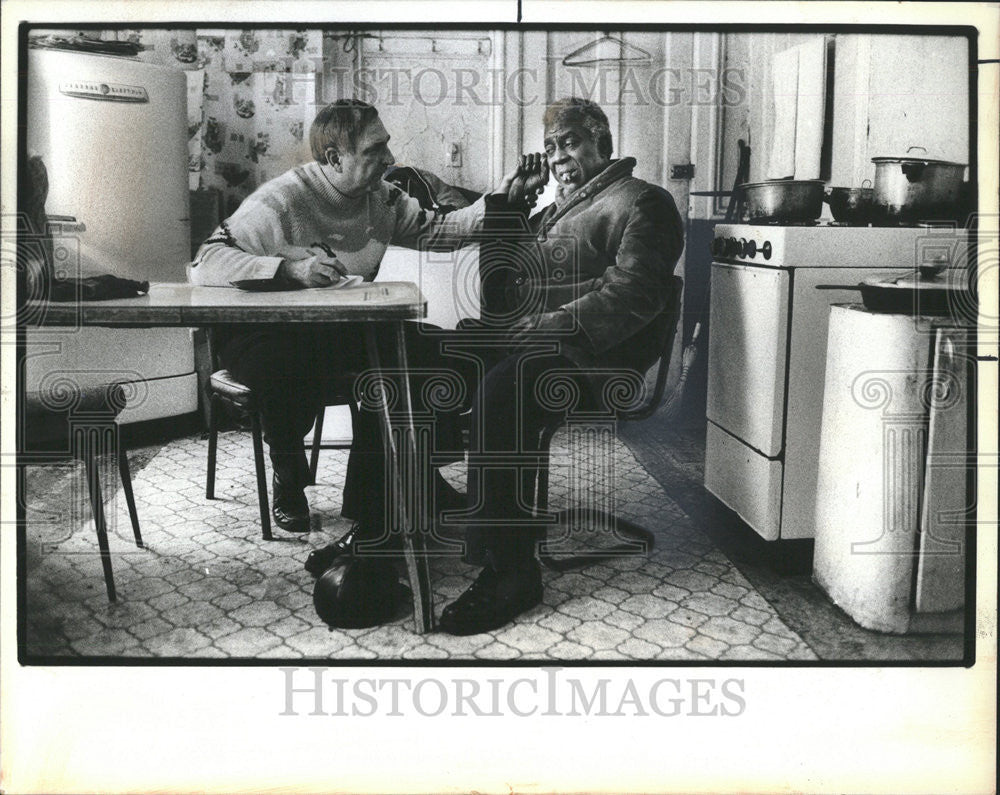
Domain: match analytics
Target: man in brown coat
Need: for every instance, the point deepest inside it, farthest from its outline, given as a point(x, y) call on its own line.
point(589, 279)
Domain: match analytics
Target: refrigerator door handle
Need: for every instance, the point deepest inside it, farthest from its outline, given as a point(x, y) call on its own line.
point(946, 370)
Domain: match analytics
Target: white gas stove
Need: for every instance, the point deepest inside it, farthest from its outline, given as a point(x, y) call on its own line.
point(767, 353)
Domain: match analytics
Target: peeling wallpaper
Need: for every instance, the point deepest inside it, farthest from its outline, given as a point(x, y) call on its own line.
point(251, 99)
point(414, 82)
point(252, 95)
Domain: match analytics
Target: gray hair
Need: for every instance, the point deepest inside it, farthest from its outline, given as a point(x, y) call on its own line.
point(570, 110)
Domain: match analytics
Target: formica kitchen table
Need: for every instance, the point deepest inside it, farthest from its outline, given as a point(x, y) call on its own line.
point(371, 304)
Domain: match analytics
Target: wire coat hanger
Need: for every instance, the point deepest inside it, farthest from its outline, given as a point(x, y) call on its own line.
point(626, 53)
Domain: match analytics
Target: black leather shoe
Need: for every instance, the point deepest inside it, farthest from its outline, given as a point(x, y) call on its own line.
point(289, 508)
point(291, 514)
point(319, 560)
point(493, 600)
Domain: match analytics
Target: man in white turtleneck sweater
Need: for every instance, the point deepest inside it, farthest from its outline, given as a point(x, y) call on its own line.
point(310, 227)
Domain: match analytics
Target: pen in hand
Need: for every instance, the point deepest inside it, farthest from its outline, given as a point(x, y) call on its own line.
point(318, 269)
point(337, 265)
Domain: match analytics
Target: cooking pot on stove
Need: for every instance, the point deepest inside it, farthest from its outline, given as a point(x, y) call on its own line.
point(783, 201)
point(854, 206)
point(913, 189)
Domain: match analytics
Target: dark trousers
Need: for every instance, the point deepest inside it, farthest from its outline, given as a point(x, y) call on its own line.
point(522, 394)
point(291, 370)
point(513, 395)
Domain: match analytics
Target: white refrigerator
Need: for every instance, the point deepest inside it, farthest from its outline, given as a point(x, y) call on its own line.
point(112, 133)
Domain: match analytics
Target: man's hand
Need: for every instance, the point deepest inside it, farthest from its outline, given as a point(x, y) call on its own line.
point(527, 180)
point(311, 267)
point(528, 328)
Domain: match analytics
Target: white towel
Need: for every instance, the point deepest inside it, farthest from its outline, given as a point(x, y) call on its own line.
point(811, 104)
point(799, 89)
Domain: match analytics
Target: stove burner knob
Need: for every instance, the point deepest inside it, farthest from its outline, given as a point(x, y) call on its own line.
point(751, 248)
point(718, 246)
point(766, 249)
point(742, 247)
point(731, 247)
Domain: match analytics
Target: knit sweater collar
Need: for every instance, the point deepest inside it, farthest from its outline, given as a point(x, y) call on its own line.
point(322, 184)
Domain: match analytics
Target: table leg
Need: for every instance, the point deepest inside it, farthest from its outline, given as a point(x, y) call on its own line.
point(414, 542)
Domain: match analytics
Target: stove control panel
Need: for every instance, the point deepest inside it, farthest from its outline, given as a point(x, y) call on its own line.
point(835, 246)
point(741, 248)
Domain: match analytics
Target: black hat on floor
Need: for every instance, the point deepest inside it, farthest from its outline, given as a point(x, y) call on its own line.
point(358, 592)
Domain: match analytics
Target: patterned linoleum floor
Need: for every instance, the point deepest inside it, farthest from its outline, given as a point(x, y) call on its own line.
point(206, 585)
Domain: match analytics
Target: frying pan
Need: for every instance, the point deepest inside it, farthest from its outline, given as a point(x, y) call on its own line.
point(929, 294)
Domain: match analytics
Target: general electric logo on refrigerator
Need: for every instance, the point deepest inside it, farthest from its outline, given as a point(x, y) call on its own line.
point(113, 92)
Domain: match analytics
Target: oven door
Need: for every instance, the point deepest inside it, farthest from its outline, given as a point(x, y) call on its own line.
point(748, 354)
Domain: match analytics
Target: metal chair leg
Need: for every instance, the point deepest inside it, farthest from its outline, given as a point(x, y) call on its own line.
point(541, 495)
point(642, 540)
point(126, 477)
point(317, 441)
point(97, 506)
point(258, 460)
point(213, 441)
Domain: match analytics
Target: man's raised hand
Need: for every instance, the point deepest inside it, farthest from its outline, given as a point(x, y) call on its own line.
point(527, 180)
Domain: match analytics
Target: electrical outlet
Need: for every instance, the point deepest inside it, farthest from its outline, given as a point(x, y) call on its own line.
point(453, 154)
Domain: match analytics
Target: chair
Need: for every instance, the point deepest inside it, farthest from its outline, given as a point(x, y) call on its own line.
point(224, 387)
point(643, 539)
point(81, 423)
point(341, 396)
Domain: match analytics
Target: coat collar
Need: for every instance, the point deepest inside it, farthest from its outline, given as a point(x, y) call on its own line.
point(616, 170)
